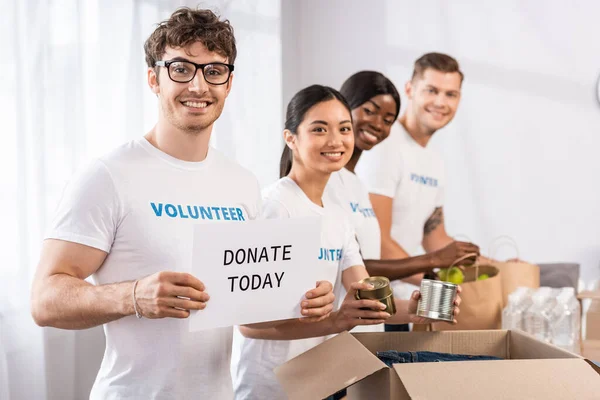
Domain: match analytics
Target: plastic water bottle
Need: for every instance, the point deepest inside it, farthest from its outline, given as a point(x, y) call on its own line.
point(547, 313)
point(576, 308)
point(537, 316)
point(513, 315)
point(509, 314)
point(566, 321)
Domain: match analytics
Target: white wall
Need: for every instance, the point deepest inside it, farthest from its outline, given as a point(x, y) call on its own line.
point(521, 155)
point(249, 129)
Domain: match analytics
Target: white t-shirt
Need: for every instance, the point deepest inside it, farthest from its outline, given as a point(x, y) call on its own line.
point(253, 376)
point(346, 189)
point(413, 176)
point(139, 205)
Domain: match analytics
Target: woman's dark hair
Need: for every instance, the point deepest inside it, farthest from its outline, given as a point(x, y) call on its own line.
point(297, 108)
point(364, 85)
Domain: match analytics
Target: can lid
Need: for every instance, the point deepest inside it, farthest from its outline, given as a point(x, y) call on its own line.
point(381, 288)
point(428, 282)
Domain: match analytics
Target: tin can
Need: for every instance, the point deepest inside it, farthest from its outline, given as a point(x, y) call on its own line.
point(381, 291)
point(437, 300)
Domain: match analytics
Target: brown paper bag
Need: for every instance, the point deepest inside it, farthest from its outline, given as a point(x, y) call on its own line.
point(517, 273)
point(514, 273)
point(481, 306)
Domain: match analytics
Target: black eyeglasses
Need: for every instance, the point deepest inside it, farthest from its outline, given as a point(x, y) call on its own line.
point(184, 71)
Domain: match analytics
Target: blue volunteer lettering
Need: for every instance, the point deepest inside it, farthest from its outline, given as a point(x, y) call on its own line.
point(330, 254)
point(197, 212)
point(366, 212)
point(424, 180)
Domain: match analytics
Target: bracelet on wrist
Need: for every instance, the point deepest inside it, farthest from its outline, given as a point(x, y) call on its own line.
point(138, 314)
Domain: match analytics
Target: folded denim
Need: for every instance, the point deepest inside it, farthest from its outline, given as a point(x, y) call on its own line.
point(390, 357)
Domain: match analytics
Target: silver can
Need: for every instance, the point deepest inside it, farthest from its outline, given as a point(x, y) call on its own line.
point(437, 300)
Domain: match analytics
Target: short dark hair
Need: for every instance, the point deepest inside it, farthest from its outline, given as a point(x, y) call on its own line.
point(364, 85)
point(437, 61)
point(186, 26)
point(297, 108)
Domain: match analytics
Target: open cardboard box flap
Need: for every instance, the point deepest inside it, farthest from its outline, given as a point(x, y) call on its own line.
point(531, 369)
point(507, 379)
point(591, 351)
point(328, 368)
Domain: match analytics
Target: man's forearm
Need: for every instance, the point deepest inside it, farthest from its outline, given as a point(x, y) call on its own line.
point(65, 302)
point(292, 329)
point(435, 242)
point(391, 250)
point(400, 268)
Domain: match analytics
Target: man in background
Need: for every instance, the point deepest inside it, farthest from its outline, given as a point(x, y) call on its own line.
point(405, 177)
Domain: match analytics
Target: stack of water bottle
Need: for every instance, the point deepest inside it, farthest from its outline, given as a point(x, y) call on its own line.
point(551, 315)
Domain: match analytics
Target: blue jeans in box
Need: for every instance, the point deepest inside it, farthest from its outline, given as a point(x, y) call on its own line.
point(396, 328)
point(390, 357)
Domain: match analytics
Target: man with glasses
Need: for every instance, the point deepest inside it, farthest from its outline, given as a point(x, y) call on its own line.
point(127, 221)
point(183, 71)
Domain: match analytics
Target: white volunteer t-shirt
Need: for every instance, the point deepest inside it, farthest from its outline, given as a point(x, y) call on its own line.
point(346, 189)
point(413, 176)
point(253, 376)
point(139, 205)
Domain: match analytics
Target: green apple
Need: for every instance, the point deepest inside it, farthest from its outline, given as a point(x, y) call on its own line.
point(456, 276)
point(442, 274)
point(482, 277)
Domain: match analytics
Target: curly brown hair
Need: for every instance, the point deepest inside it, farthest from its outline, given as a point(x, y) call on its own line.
point(186, 26)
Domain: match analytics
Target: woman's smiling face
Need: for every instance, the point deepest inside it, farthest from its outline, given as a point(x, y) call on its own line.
point(324, 140)
point(373, 120)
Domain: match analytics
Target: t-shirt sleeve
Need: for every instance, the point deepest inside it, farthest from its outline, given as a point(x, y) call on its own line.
point(272, 209)
point(380, 169)
point(351, 253)
point(257, 206)
point(89, 210)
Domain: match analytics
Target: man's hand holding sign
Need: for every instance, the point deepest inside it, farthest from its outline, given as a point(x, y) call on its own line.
point(175, 294)
point(170, 294)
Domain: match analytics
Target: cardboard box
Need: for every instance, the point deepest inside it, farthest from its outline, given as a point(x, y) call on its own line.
point(530, 369)
point(590, 349)
point(588, 294)
point(592, 331)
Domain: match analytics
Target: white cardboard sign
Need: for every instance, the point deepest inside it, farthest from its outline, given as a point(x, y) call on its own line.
point(255, 271)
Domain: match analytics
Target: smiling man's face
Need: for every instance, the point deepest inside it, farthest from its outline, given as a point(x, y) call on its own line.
point(435, 96)
point(194, 106)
